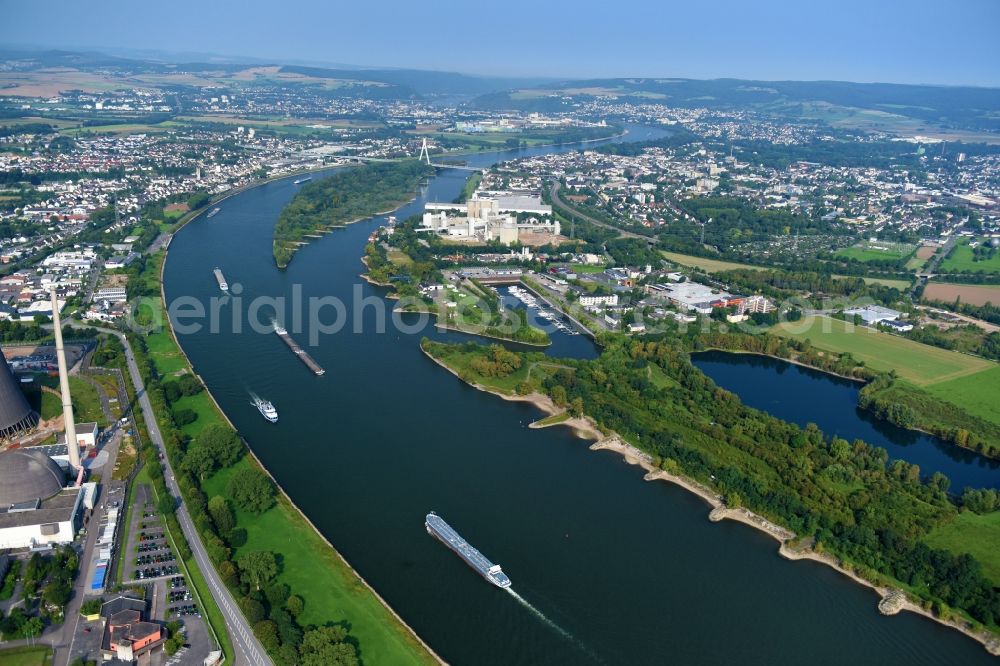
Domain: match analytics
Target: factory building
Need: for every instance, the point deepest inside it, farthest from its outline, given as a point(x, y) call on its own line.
point(39, 501)
point(491, 218)
point(35, 506)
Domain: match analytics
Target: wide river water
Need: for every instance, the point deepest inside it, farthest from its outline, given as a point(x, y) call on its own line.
point(620, 571)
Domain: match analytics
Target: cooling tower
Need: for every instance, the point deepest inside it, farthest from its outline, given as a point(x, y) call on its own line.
point(15, 413)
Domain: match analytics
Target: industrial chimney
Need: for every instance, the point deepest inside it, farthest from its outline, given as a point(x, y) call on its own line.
point(72, 444)
point(15, 413)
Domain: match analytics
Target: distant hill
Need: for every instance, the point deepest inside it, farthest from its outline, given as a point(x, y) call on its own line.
point(947, 106)
point(397, 83)
point(420, 81)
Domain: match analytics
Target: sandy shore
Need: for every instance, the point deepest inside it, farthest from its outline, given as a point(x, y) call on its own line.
point(891, 600)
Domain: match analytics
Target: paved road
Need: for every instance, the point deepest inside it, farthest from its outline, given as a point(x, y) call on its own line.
point(248, 649)
point(559, 203)
point(924, 276)
point(92, 283)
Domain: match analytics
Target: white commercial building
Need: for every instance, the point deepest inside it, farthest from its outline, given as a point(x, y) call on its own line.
point(588, 300)
point(110, 294)
point(874, 314)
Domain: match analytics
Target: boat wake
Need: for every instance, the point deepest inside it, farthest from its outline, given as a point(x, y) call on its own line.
point(552, 625)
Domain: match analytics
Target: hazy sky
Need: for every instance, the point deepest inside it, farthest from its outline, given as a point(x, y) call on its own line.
point(906, 41)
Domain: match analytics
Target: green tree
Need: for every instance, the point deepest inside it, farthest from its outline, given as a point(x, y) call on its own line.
point(559, 395)
point(267, 632)
point(91, 606)
point(222, 443)
point(252, 609)
point(198, 200)
point(327, 646)
point(252, 490)
point(199, 461)
point(166, 504)
point(56, 593)
point(222, 514)
point(183, 417)
point(295, 605)
point(258, 567)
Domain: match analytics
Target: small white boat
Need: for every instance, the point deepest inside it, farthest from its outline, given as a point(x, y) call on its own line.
point(266, 409)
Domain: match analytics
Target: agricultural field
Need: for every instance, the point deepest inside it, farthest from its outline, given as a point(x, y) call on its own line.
point(973, 294)
point(51, 81)
point(915, 362)
point(31, 120)
point(265, 121)
point(866, 251)
point(978, 535)
point(888, 282)
point(925, 252)
point(119, 128)
point(978, 394)
point(962, 260)
point(707, 265)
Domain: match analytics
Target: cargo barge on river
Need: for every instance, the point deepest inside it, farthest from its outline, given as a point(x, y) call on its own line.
point(437, 527)
point(299, 351)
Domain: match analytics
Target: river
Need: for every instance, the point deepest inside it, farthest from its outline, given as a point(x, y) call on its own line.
point(623, 571)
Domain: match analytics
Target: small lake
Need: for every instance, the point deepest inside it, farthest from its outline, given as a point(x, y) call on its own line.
point(804, 395)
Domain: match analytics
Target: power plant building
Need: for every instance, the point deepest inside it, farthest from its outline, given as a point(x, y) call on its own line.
point(490, 218)
point(38, 505)
point(15, 412)
point(35, 506)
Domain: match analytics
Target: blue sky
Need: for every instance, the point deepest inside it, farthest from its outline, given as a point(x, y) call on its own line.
point(915, 41)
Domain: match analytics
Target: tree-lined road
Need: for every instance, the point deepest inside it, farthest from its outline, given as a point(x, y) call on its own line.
point(559, 203)
point(247, 648)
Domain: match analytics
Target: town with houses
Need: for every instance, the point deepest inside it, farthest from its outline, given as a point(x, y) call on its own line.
point(127, 172)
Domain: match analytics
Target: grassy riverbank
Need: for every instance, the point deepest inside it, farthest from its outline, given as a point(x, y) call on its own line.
point(331, 591)
point(345, 197)
point(312, 569)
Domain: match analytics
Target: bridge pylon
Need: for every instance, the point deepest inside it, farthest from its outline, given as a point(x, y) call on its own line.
point(424, 154)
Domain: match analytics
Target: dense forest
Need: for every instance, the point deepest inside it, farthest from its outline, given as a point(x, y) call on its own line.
point(847, 496)
point(345, 196)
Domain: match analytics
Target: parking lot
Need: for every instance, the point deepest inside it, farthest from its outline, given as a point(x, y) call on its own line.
point(150, 562)
point(148, 555)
